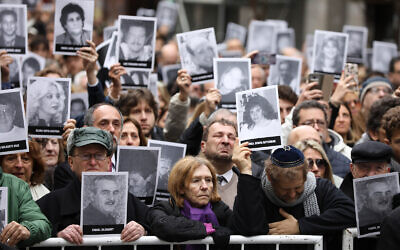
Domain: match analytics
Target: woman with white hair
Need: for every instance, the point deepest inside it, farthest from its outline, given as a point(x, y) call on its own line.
point(45, 103)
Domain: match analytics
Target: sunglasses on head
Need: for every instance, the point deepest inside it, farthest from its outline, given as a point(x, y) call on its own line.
point(321, 163)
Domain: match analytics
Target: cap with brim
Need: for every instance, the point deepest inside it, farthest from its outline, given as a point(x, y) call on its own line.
point(371, 151)
point(89, 135)
point(287, 157)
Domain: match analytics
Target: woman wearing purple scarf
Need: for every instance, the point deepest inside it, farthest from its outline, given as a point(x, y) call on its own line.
point(195, 209)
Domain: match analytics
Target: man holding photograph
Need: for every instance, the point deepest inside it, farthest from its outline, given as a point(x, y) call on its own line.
point(89, 150)
point(9, 37)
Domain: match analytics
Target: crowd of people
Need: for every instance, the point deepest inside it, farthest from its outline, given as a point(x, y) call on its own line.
point(221, 187)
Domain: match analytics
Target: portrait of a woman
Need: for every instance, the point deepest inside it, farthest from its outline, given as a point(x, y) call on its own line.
point(46, 103)
point(231, 81)
point(73, 20)
point(259, 117)
point(330, 55)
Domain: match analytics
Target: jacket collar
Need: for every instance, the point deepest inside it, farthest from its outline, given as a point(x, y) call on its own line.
point(70, 198)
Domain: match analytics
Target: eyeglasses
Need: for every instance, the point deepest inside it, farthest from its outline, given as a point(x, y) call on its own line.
point(96, 156)
point(313, 122)
point(321, 163)
point(376, 90)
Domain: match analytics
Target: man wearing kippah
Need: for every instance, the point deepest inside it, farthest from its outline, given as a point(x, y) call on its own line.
point(89, 150)
point(290, 200)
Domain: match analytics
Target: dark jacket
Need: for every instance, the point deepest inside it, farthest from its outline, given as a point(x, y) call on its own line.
point(19, 42)
point(253, 211)
point(62, 207)
point(390, 231)
point(340, 163)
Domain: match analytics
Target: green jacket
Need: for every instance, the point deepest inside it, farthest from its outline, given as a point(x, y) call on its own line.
point(24, 210)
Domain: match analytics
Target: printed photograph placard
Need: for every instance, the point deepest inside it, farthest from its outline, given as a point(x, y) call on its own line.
point(373, 201)
point(259, 118)
point(284, 39)
point(3, 207)
point(13, 37)
point(48, 106)
point(135, 78)
point(167, 14)
point(13, 129)
point(231, 75)
point(286, 71)
point(30, 64)
point(358, 37)
point(70, 36)
point(382, 53)
point(236, 31)
point(79, 104)
point(142, 177)
point(261, 36)
point(104, 199)
point(169, 73)
point(197, 50)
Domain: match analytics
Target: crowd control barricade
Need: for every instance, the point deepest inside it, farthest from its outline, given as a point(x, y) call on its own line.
point(315, 240)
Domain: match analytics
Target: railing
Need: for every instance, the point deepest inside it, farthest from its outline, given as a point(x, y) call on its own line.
point(152, 240)
point(348, 238)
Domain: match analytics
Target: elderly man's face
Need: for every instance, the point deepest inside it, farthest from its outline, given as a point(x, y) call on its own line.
point(289, 190)
point(9, 25)
point(379, 197)
point(136, 38)
point(7, 115)
point(89, 158)
point(359, 170)
point(107, 195)
point(203, 55)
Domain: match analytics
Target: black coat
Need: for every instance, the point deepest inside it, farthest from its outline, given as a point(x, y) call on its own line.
point(62, 208)
point(390, 231)
point(253, 211)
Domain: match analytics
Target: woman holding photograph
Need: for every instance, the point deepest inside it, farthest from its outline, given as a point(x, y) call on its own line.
point(46, 103)
point(73, 20)
point(29, 167)
point(329, 58)
point(259, 118)
point(195, 209)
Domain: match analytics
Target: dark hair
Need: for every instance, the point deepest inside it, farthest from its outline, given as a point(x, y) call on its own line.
point(307, 105)
point(133, 98)
point(50, 70)
point(392, 63)
point(286, 93)
point(391, 121)
point(142, 137)
point(8, 12)
point(378, 109)
point(37, 41)
point(68, 9)
point(267, 110)
point(220, 121)
point(88, 118)
point(31, 62)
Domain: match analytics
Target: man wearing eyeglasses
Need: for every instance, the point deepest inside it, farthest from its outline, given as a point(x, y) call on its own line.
point(9, 131)
point(89, 150)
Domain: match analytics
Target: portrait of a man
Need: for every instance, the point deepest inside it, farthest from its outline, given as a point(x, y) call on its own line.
point(9, 23)
point(261, 36)
point(11, 123)
point(354, 48)
point(286, 71)
point(105, 195)
point(201, 53)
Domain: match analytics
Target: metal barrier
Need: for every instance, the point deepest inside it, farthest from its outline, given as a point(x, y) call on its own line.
point(315, 240)
point(348, 238)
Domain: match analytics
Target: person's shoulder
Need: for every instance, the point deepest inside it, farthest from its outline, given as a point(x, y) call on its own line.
point(60, 38)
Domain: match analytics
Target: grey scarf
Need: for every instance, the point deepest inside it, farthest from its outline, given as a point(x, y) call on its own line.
point(308, 197)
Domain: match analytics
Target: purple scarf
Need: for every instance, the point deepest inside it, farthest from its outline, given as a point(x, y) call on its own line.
point(205, 215)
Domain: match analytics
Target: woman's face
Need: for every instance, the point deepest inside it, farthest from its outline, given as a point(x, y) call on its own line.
point(313, 157)
point(51, 101)
point(256, 114)
point(20, 165)
point(136, 38)
point(330, 50)
point(200, 188)
point(50, 151)
point(343, 121)
point(74, 24)
point(129, 135)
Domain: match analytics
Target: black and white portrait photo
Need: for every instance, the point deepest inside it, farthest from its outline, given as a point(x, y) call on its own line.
point(135, 78)
point(104, 202)
point(236, 31)
point(73, 25)
point(170, 153)
point(169, 73)
point(330, 50)
point(153, 79)
point(30, 64)
point(278, 23)
point(111, 56)
point(284, 39)
point(13, 34)
point(48, 106)
point(136, 41)
point(3, 207)
point(13, 130)
point(261, 37)
point(79, 104)
point(145, 12)
point(197, 50)
point(231, 75)
point(373, 201)
point(101, 50)
point(382, 53)
point(358, 37)
point(15, 72)
point(258, 118)
point(286, 71)
point(167, 14)
point(108, 31)
point(309, 49)
point(142, 177)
